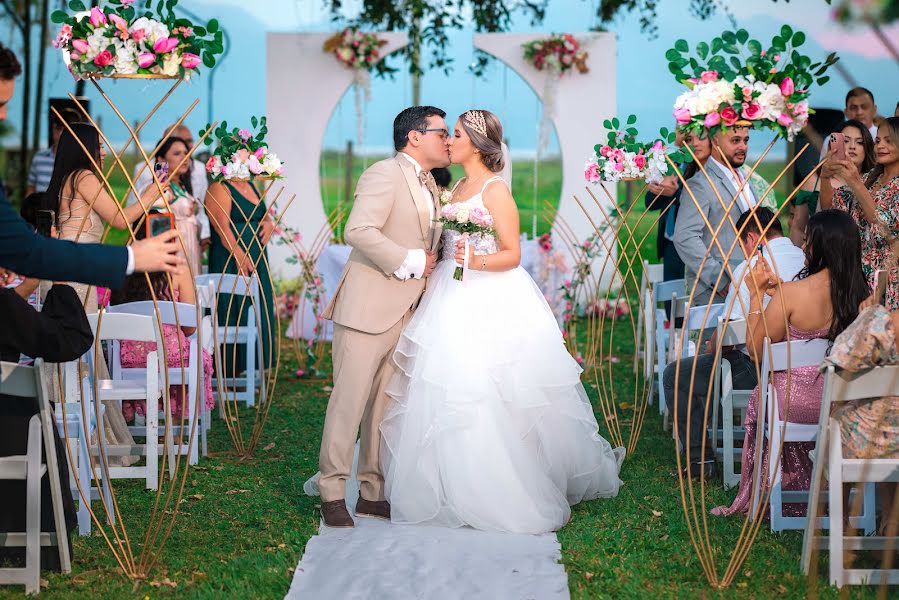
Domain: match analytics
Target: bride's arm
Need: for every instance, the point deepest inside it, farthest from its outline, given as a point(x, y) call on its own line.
point(498, 200)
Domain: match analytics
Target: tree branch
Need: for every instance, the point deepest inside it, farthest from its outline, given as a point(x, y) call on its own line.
point(11, 11)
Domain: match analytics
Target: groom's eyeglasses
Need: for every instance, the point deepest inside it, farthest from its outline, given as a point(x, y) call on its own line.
point(443, 132)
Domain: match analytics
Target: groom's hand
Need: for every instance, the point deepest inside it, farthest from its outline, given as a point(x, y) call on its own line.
point(430, 263)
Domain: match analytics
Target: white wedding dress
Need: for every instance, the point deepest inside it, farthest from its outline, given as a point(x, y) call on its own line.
point(489, 425)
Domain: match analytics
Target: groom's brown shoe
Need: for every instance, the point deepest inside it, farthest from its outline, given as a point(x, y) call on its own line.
point(379, 509)
point(336, 515)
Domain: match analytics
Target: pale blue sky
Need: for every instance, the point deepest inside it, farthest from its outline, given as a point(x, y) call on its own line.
point(644, 85)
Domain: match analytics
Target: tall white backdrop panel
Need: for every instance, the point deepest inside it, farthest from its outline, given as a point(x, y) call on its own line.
point(303, 86)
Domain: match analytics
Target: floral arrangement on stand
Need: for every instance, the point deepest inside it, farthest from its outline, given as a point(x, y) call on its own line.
point(121, 40)
point(310, 283)
point(551, 265)
point(240, 155)
point(361, 52)
point(760, 87)
point(622, 157)
point(560, 53)
point(866, 11)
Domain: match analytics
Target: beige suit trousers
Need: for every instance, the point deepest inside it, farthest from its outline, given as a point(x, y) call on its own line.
point(363, 366)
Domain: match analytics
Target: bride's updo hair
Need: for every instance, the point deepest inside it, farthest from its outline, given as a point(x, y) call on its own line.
point(486, 134)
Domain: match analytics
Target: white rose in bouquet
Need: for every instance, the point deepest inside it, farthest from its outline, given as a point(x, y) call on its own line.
point(462, 214)
point(153, 30)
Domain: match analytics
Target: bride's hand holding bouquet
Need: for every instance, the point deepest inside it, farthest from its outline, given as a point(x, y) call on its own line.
point(466, 220)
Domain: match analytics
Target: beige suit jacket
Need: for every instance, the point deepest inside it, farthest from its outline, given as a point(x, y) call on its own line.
point(389, 217)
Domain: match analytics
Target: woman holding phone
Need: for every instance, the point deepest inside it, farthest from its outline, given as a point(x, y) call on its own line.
point(872, 198)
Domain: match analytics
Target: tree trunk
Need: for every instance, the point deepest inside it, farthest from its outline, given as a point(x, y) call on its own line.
point(415, 59)
point(44, 17)
point(24, 144)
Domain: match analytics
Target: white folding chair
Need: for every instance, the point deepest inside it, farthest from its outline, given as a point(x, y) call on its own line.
point(192, 375)
point(734, 404)
point(244, 292)
point(652, 274)
point(114, 327)
point(665, 291)
point(781, 357)
point(842, 386)
point(26, 382)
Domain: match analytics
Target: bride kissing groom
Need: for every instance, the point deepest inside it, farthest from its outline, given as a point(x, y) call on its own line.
point(471, 410)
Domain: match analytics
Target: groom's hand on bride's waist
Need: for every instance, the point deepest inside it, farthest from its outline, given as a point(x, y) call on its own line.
point(430, 263)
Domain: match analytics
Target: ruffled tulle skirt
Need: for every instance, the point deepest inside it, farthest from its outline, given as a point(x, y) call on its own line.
point(489, 424)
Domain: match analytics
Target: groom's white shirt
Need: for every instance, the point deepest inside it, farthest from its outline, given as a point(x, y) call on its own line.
point(414, 265)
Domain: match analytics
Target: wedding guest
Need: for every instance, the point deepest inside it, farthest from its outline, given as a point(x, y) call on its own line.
point(820, 304)
point(873, 200)
point(196, 175)
point(869, 428)
point(25, 252)
point(178, 288)
point(42, 163)
point(757, 229)
point(666, 196)
point(860, 106)
point(711, 197)
point(184, 205)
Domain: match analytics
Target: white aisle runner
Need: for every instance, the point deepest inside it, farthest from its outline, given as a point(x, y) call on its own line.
point(378, 560)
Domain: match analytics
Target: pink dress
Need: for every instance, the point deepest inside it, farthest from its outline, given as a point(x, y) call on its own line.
point(806, 391)
point(177, 349)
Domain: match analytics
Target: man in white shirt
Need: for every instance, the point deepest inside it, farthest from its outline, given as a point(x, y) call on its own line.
point(860, 106)
point(198, 182)
point(787, 261)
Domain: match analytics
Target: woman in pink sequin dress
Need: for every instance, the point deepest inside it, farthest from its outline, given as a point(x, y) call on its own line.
point(821, 303)
point(177, 345)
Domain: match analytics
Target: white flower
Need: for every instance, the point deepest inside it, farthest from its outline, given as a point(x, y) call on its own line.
point(97, 43)
point(553, 63)
point(706, 97)
point(170, 64)
point(446, 197)
point(125, 59)
point(771, 101)
point(462, 214)
point(271, 164)
point(238, 170)
point(152, 28)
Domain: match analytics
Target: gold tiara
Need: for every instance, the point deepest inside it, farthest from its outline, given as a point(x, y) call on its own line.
point(475, 120)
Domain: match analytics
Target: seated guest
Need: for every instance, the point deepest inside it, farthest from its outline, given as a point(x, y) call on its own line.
point(820, 304)
point(759, 229)
point(177, 288)
point(712, 201)
point(869, 428)
point(873, 201)
point(59, 333)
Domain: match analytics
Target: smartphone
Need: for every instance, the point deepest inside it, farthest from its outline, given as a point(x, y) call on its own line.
point(162, 171)
point(159, 222)
point(45, 221)
point(880, 285)
point(838, 145)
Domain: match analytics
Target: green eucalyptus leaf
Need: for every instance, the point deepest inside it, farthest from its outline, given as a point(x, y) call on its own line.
point(672, 54)
point(77, 6)
point(702, 49)
point(59, 16)
point(798, 39)
point(742, 36)
point(682, 46)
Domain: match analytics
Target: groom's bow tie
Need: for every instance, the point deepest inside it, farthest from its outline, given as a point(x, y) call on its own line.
point(428, 181)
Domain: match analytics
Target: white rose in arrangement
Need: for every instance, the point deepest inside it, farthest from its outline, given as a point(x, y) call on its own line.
point(237, 170)
point(152, 29)
point(772, 102)
point(170, 65)
point(462, 214)
point(271, 164)
point(125, 57)
point(96, 43)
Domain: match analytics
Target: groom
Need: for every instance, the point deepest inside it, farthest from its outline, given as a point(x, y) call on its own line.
point(392, 231)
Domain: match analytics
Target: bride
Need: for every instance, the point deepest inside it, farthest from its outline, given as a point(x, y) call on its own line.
point(489, 425)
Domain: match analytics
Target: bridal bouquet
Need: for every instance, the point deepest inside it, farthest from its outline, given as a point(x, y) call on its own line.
point(560, 52)
point(467, 220)
point(622, 157)
point(241, 155)
point(123, 40)
point(760, 87)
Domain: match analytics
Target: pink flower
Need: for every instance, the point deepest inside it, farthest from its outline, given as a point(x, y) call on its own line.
point(104, 59)
point(764, 52)
point(242, 155)
point(658, 145)
point(712, 119)
point(777, 58)
point(260, 152)
point(244, 134)
point(709, 76)
point(254, 165)
point(190, 60)
point(682, 115)
point(164, 45)
point(97, 17)
point(64, 35)
point(605, 151)
point(618, 155)
point(210, 164)
point(694, 80)
point(138, 34)
point(127, 2)
point(592, 173)
point(747, 93)
point(786, 87)
point(297, 237)
point(80, 46)
point(772, 70)
point(299, 372)
point(751, 110)
point(145, 59)
point(640, 161)
point(785, 119)
point(729, 116)
point(619, 167)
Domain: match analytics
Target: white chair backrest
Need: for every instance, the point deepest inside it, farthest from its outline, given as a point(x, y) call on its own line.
point(168, 310)
point(653, 273)
point(797, 353)
point(663, 290)
point(229, 283)
point(120, 326)
point(701, 317)
point(843, 386)
point(18, 380)
point(731, 333)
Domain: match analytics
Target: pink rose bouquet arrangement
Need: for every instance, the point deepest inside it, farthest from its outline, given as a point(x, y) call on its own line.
point(560, 53)
point(123, 40)
point(623, 157)
point(356, 49)
point(467, 220)
point(239, 154)
point(754, 86)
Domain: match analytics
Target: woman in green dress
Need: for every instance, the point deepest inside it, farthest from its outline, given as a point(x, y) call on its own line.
point(241, 228)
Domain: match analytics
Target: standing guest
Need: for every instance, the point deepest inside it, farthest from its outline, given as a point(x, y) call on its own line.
point(196, 174)
point(185, 205)
point(712, 198)
point(873, 200)
point(820, 304)
point(860, 106)
point(42, 163)
point(24, 251)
